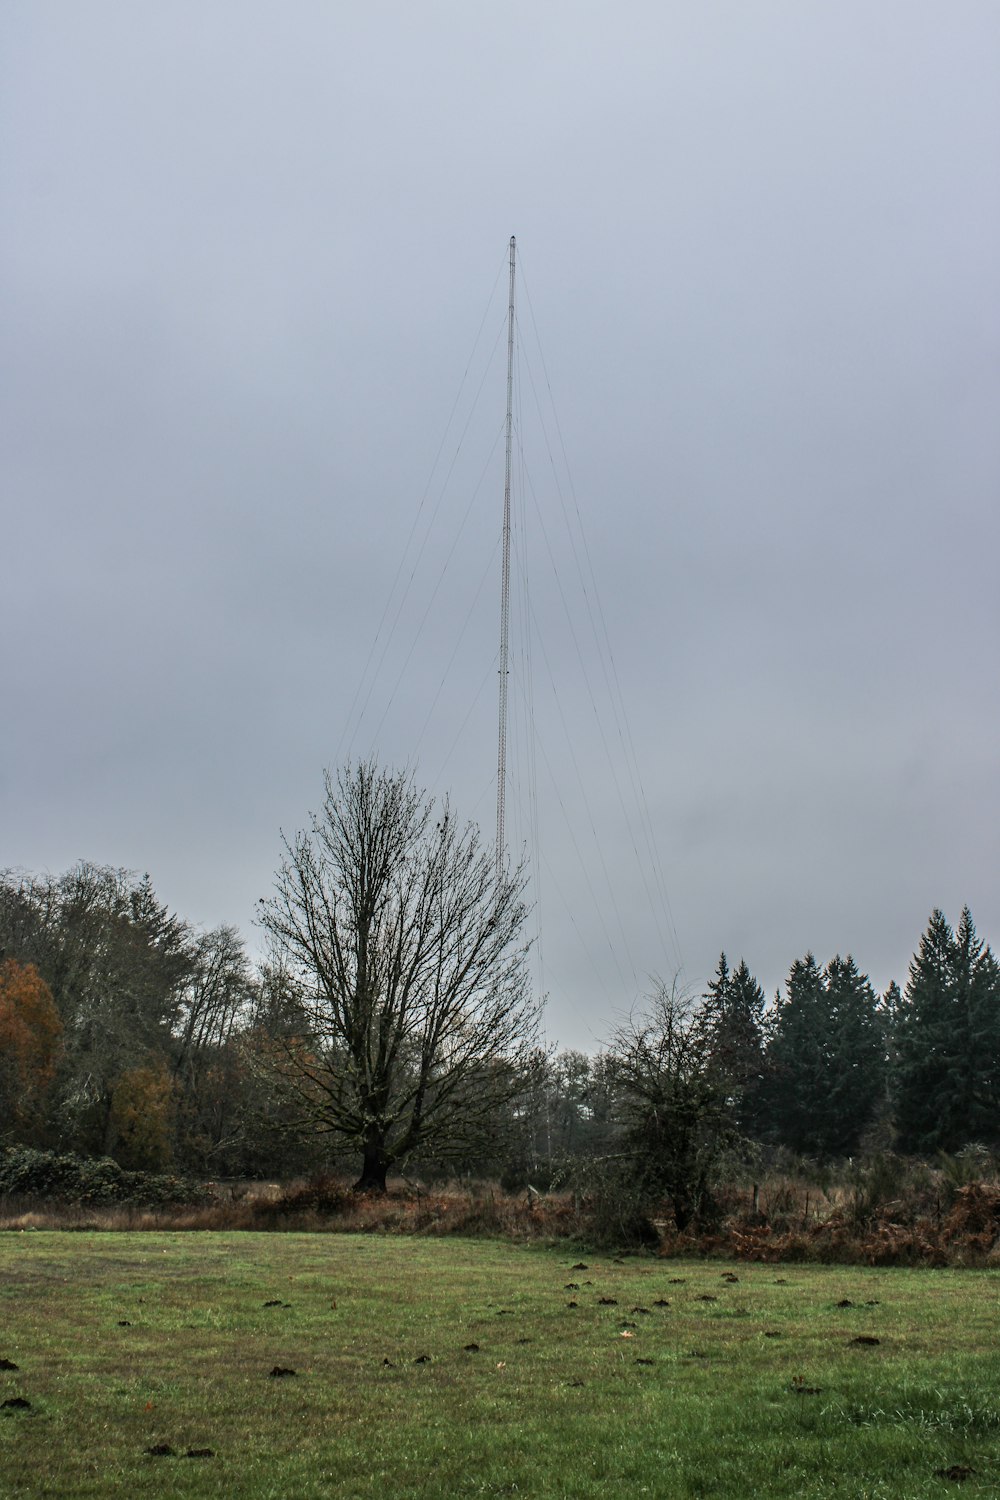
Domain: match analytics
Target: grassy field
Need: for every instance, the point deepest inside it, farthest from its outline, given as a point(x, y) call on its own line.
point(437, 1367)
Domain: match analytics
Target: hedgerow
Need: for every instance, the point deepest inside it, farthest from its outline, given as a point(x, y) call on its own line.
point(89, 1181)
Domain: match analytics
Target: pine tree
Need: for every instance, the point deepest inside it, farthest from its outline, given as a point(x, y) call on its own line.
point(826, 1059)
point(858, 1073)
point(795, 1058)
point(731, 1022)
point(947, 1085)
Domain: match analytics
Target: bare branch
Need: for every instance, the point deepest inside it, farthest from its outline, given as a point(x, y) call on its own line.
point(408, 941)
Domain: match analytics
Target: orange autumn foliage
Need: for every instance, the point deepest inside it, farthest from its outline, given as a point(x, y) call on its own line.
point(30, 1041)
point(142, 1112)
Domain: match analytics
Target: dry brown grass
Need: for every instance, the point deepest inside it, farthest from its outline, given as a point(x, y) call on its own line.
point(907, 1217)
point(926, 1221)
point(328, 1203)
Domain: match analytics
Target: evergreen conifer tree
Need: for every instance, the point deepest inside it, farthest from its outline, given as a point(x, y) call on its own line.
point(826, 1059)
point(856, 1090)
point(795, 1057)
point(732, 1025)
point(947, 1084)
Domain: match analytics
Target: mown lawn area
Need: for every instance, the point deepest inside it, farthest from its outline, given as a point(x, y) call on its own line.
point(444, 1367)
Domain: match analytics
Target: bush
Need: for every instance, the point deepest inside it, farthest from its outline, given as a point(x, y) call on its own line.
point(617, 1210)
point(321, 1194)
point(26, 1173)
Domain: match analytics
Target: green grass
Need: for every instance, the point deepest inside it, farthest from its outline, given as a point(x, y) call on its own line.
point(555, 1401)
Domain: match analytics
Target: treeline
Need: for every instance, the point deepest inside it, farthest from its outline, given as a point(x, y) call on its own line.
point(828, 1070)
point(127, 1033)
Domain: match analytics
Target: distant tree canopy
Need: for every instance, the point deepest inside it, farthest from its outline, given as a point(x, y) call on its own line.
point(131, 1020)
point(30, 1044)
point(392, 1023)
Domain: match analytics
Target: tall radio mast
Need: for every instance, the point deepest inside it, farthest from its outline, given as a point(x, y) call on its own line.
point(505, 579)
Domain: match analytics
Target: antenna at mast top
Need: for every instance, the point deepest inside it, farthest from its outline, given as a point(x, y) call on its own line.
point(505, 579)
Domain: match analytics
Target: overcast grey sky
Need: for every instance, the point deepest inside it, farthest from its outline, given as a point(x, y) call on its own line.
point(246, 251)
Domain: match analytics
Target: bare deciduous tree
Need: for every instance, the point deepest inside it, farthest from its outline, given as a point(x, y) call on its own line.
point(405, 942)
point(676, 1116)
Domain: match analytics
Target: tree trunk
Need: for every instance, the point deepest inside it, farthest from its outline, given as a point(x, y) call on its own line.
point(373, 1170)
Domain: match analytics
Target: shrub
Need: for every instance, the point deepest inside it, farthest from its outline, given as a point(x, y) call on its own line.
point(26, 1173)
point(321, 1194)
